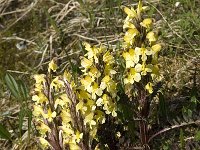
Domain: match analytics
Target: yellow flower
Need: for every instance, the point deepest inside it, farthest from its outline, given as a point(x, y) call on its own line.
point(85, 105)
point(129, 36)
point(78, 136)
point(109, 70)
point(95, 90)
point(108, 58)
point(40, 98)
point(43, 128)
point(92, 52)
point(37, 110)
point(130, 12)
point(86, 63)
point(133, 75)
point(104, 82)
point(89, 119)
point(149, 87)
point(44, 143)
point(66, 116)
point(94, 72)
point(131, 57)
point(128, 24)
point(140, 8)
point(52, 66)
point(146, 68)
point(40, 78)
point(99, 116)
point(156, 48)
point(73, 146)
point(57, 84)
point(86, 82)
point(59, 102)
point(50, 115)
point(146, 23)
point(151, 37)
point(144, 52)
point(65, 99)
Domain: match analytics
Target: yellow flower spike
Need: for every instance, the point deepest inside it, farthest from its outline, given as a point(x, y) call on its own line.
point(86, 63)
point(50, 115)
point(151, 37)
point(44, 143)
point(108, 58)
point(146, 23)
point(130, 12)
point(129, 36)
point(149, 87)
point(52, 66)
point(156, 48)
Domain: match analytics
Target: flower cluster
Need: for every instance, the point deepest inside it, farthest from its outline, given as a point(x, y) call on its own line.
point(64, 111)
point(140, 49)
point(97, 91)
point(52, 111)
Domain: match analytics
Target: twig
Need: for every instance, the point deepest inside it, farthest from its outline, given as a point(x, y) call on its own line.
point(173, 127)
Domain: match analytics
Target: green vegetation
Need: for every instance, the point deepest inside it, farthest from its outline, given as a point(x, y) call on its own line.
point(36, 33)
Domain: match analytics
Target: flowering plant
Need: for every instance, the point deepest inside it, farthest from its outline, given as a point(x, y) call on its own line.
point(68, 111)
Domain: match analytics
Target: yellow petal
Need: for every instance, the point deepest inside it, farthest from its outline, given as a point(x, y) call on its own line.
point(130, 12)
point(151, 36)
point(156, 48)
point(52, 66)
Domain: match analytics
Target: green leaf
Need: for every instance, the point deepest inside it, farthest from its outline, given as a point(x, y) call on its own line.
point(21, 119)
point(23, 90)
point(4, 134)
point(12, 86)
point(182, 142)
